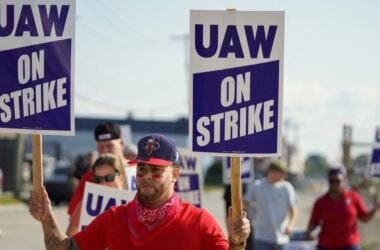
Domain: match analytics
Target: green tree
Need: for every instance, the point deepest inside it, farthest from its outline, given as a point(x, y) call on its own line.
point(214, 174)
point(316, 165)
point(360, 161)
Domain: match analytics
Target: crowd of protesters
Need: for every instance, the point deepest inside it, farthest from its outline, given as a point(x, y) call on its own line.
point(271, 203)
point(153, 219)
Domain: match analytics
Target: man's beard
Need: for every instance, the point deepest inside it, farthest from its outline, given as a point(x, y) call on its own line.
point(151, 196)
point(144, 198)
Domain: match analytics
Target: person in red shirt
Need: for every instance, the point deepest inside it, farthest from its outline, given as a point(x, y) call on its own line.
point(337, 213)
point(108, 140)
point(108, 171)
point(156, 219)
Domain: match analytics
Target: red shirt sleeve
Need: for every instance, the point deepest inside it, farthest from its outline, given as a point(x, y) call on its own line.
point(316, 214)
point(91, 238)
point(214, 238)
point(78, 193)
point(361, 208)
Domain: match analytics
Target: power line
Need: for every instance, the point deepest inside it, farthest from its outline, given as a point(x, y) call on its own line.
point(107, 106)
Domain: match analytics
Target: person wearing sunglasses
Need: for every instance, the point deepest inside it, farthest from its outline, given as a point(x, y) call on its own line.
point(108, 171)
point(108, 139)
point(337, 213)
point(156, 219)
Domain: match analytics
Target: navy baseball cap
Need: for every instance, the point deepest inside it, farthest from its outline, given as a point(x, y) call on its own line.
point(334, 171)
point(156, 150)
point(107, 131)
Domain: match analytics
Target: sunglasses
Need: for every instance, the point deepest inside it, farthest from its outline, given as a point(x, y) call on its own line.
point(106, 178)
point(334, 181)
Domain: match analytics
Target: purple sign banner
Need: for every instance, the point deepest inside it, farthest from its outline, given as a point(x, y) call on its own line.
point(247, 174)
point(37, 66)
point(236, 67)
point(188, 186)
point(374, 164)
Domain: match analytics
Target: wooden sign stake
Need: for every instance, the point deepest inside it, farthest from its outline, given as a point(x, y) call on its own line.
point(236, 190)
point(37, 165)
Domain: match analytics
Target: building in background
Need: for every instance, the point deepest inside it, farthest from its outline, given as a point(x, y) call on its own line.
point(83, 141)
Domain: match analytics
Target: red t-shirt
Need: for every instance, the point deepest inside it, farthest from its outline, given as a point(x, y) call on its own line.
point(78, 193)
point(338, 219)
point(189, 228)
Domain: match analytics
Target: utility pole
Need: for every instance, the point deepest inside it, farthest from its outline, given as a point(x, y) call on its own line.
point(185, 39)
point(346, 146)
point(290, 145)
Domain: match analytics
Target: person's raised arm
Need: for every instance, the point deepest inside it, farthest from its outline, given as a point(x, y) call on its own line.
point(365, 215)
point(368, 216)
point(43, 212)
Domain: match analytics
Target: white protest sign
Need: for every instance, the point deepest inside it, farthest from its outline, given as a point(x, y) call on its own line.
point(37, 66)
point(130, 172)
point(236, 72)
point(374, 163)
point(98, 198)
point(246, 165)
point(188, 186)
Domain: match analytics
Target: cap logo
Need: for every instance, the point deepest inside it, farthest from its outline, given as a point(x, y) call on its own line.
point(103, 137)
point(150, 146)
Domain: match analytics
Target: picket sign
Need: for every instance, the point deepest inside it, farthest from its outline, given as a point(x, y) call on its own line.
point(99, 198)
point(37, 72)
point(236, 72)
point(246, 169)
point(373, 167)
point(188, 186)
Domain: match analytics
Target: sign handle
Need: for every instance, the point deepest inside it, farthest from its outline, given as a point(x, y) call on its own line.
point(377, 198)
point(236, 190)
point(37, 165)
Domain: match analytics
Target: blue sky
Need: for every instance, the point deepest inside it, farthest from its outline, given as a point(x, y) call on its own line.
point(127, 60)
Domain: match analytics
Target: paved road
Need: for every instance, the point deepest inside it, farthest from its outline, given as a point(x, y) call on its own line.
point(21, 231)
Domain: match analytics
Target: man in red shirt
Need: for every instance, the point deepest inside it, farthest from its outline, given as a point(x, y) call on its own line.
point(337, 213)
point(156, 219)
point(108, 140)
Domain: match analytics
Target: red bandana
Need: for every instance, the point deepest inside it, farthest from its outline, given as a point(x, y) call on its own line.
point(151, 218)
point(145, 223)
